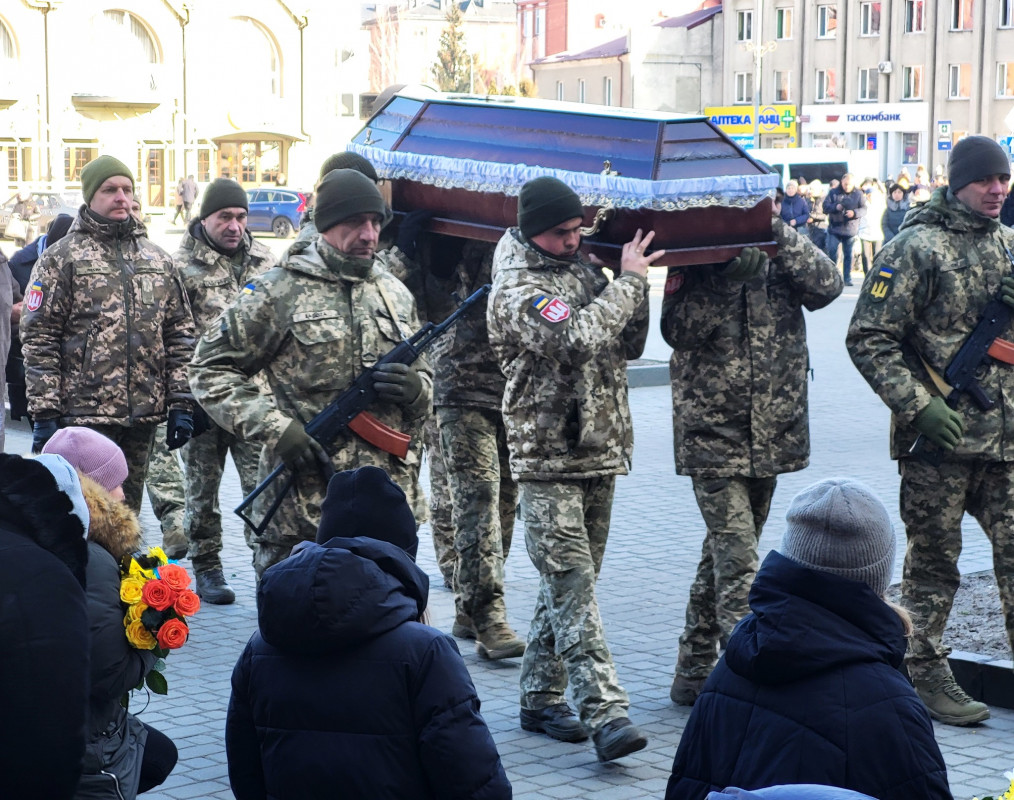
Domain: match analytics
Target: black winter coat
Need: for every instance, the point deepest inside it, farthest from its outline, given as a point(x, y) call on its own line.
point(795, 208)
point(809, 691)
point(44, 631)
point(837, 222)
point(342, 693)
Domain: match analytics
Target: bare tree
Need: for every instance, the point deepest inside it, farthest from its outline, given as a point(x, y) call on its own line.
point(385, 31)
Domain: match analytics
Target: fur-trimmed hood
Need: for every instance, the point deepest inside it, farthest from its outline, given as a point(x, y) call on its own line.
point(113, 525)
point(32, 505)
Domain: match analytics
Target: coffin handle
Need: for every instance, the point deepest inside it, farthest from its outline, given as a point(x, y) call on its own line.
point(602, 216)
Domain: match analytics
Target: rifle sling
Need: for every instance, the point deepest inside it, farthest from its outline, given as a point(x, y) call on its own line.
point(390, 308)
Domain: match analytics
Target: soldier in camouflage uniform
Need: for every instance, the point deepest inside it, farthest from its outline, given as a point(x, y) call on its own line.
point(107, 332)
point(164, 483)
point(921, 301)
point(313, 324)
point(216, 259)
point(740, 417)
point(562, 334)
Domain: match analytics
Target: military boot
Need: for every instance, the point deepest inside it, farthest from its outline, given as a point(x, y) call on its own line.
point(498, 640)
point(618, 738)
point(948, 702)
point(685, 691)
point(463, 627)
point(212, 588)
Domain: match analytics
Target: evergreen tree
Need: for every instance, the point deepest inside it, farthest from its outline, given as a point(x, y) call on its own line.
point(452, 67)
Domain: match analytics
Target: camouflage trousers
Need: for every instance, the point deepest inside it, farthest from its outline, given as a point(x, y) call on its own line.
point(441, 524)
point(734, 510)
point(204, 457)
point(135, 441)
point(483, 499)
point(165, 491)
point(566, 527)
point(933, 500)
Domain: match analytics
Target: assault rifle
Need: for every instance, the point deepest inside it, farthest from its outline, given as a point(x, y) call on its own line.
point(960, 375)
point(348, 412)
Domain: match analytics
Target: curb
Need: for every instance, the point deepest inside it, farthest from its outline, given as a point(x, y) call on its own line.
point(988, 680)
point(647, 373)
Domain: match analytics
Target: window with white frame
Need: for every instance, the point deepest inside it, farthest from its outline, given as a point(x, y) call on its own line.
point(607, 91)
point(559, 90)
point(869, 80)
point(1005, 79)
point(911, 83)
point(783, 23)
point(580, 90)
point(744, 87)
point(744, 26)
point(914, 16)
point(869, 19)
point(783, 86)
point(540, 20)
point(825, 89)
point(1007, 13)
point(959, 80)
point(961, 15)
point(827, 22)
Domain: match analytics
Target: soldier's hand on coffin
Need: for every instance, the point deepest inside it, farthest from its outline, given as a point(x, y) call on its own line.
point(298, 450)
point(410, 229)
point(748, 264)
point(633, 258)
point(397, 383)
point(1007, 291)
point(939, 423)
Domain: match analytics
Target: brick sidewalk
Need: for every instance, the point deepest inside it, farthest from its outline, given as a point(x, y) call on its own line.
point(652, 554)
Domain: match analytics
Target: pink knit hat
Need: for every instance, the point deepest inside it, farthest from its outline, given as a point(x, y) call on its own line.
point(91, 454)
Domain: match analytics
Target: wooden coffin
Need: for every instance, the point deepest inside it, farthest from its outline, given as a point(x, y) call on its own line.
point(466, 158)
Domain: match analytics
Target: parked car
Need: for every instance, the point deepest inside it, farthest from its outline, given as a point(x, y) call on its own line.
point(50, 204)
point(275, 210)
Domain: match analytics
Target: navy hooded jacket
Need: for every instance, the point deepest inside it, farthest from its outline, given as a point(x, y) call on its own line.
point(342, 693)
point(809, 691)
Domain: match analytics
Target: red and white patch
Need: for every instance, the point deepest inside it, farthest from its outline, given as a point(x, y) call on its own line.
point(674, 283)
point(33, 300)
point(556, 310)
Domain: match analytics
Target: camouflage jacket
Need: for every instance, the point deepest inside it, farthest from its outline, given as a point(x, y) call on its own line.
point(739, 361)
point(923, 298)
point(313, 324)
point(213, 280)
point(107, 332)
point(562, 334)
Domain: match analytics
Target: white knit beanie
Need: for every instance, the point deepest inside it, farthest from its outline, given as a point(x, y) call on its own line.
point(840, 526)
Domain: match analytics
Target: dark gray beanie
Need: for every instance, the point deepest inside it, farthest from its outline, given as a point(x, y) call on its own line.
point(348, 160)
point(840, 526)
point(344, 193)
point(223, 193)
point(974, 158)
point(545, 202)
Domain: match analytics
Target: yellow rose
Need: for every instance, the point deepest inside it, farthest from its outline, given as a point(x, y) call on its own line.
point(140, 637)
point(130, 588)
point(134, 613)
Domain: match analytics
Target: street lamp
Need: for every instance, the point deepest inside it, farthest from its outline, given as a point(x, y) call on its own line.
point(758, 50)
point(45, 6)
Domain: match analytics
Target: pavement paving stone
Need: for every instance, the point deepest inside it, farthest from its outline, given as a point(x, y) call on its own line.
point(652, 555)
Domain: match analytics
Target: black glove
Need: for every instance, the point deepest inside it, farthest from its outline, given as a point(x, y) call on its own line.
point(397, 383)
point(300, 452)
point(180, 428)
point(42, 432)
point(409, 229)
point(202, 422)
point(748, 264)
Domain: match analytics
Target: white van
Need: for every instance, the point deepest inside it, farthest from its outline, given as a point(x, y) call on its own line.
point(818, 163)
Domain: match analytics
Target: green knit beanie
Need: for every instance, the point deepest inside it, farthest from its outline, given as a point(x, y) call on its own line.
point(98, 171)
point(545, 202)
point(344, 193)
point(348, 160)
point(223, 193)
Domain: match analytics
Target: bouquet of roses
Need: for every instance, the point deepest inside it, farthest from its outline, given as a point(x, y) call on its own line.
point(158, 603)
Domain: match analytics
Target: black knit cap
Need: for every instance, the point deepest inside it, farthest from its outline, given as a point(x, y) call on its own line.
point(974, 158)
point(223, 193)
point(366, 502)
point(349, 160)
point(344, 193)
point(545, 202)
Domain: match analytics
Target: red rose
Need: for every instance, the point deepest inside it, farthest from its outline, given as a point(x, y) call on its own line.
point(175, 577)
point(158, 595)
point(187, 603)
point(173, 634)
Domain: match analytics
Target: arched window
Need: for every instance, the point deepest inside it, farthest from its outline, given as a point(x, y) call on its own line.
point(262, 60)
point(7, 50)
point(130, 36)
